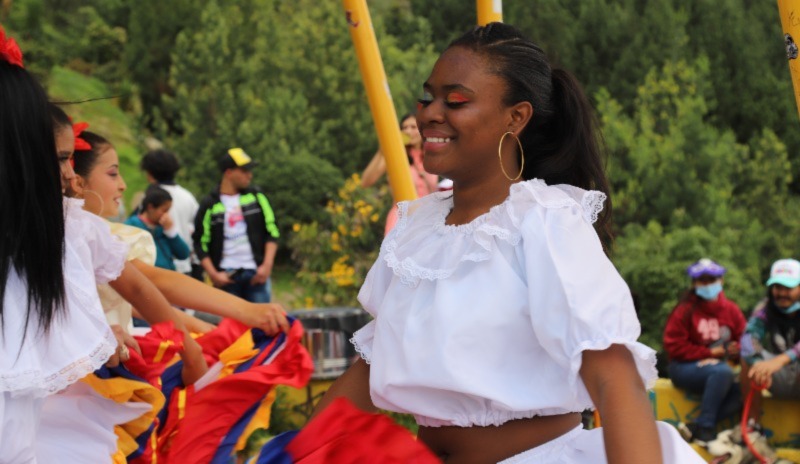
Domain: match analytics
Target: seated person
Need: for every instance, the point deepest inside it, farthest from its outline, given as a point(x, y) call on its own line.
point(702, 332)
point(771, 343)
point(154, 217)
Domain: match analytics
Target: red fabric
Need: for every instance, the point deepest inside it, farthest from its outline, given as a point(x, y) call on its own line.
point(9, 50)
point(221, 337)
point(211, 412)
point(695, 323)
point(346, 435)
point(77, 130)
point(145, 365)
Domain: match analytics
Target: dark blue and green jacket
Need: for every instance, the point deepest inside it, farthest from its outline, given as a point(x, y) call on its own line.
point(209, 225)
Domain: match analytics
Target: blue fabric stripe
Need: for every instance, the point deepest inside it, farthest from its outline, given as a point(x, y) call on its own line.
point(274, 451)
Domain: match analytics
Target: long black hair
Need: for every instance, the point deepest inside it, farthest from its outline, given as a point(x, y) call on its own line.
point(31, 208)
point(561, 142)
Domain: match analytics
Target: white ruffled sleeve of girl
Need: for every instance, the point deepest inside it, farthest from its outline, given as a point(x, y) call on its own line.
point(577, 299)
point(108, 253)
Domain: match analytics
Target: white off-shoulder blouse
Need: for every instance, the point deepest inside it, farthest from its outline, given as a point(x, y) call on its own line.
point(482, 323)
point(79, 341)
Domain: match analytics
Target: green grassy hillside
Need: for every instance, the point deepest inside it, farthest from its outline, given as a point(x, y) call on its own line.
point(104, 118)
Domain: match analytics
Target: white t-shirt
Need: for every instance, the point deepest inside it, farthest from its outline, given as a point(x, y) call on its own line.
point(184, 209)
point(236, 250)
point(482, 323)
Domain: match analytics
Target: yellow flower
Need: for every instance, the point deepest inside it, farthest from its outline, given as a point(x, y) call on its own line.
point(342, 229)
point(309, 302)
point(374, 217)
point(296, 227)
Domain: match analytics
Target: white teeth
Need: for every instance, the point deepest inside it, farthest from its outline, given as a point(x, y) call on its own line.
point(437, 139)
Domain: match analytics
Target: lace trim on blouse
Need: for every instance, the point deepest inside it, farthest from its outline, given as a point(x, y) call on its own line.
point(474, 242)
point(32, 380)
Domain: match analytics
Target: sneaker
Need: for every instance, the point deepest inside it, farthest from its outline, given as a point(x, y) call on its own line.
point(692, 432)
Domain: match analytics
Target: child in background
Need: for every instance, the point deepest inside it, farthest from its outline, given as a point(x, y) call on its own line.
point(154, 217)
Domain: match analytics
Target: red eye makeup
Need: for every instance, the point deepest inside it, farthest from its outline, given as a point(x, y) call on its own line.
point(455, 97)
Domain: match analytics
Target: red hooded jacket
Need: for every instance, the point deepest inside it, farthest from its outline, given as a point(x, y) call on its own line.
point(697, 323)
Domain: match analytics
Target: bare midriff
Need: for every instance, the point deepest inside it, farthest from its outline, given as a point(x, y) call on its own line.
point(491, 444)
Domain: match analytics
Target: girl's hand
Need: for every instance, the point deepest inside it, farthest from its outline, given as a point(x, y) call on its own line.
point(194, 364)
point(166, 221)
point(124, 341)
point(269, 317)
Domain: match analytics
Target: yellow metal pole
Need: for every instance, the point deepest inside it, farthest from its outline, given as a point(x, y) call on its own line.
point(380, 99)
point(790, 22)
point(490, 11)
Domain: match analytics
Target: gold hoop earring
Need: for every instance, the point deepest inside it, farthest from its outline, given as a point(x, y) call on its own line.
point(521, 155)
point(102, 203)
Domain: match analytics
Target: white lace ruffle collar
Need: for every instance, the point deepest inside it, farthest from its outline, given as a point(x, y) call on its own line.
point(414, 253)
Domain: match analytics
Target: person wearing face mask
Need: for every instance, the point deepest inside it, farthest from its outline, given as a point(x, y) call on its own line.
point(702, 332)
point(771, 343)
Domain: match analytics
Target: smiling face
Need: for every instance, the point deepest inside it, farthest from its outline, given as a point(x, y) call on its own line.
point(462, 116)
point(102, 189)
point(65, 148)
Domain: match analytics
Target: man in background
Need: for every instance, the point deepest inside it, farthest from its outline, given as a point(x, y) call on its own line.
point(235, 234)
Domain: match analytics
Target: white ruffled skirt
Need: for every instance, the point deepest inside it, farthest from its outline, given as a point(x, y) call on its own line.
point(581, 446)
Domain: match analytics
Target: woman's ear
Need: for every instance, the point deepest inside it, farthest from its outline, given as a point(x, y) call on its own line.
point(77, 186)
point(521, 114)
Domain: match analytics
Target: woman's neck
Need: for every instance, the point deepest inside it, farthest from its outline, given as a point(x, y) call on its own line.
point(472, 201)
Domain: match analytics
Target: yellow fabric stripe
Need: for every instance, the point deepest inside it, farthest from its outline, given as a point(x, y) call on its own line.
point(260, 420)
point(162, 348)
point(181, 403)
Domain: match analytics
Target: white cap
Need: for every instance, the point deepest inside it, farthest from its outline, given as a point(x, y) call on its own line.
point(785, 272)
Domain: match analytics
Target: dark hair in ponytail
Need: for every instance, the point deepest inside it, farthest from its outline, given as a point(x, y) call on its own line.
point(562, 140)
point(31, 205)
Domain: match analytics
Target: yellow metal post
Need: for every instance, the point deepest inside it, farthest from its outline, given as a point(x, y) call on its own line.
point(380, 99)
point(790, 22)
point(490, 11)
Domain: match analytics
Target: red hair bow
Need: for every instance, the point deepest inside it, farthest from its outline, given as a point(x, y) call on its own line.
point(9, 50)
point(80, 144)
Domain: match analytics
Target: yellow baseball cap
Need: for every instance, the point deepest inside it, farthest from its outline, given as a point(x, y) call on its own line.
point(236, 158)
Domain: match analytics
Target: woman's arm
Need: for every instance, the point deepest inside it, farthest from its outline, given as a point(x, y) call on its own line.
point(353, 385)
point(629, 429)
point(375, 169)
point(187, 292)
point(141, 293)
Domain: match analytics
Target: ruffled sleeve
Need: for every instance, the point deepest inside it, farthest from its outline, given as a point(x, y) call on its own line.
point(578, 301)
point(108, 254)
point(141, 242)
point(370, 296)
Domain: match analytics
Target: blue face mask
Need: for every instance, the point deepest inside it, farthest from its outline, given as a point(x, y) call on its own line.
point(794, 307)
point(709, 292)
